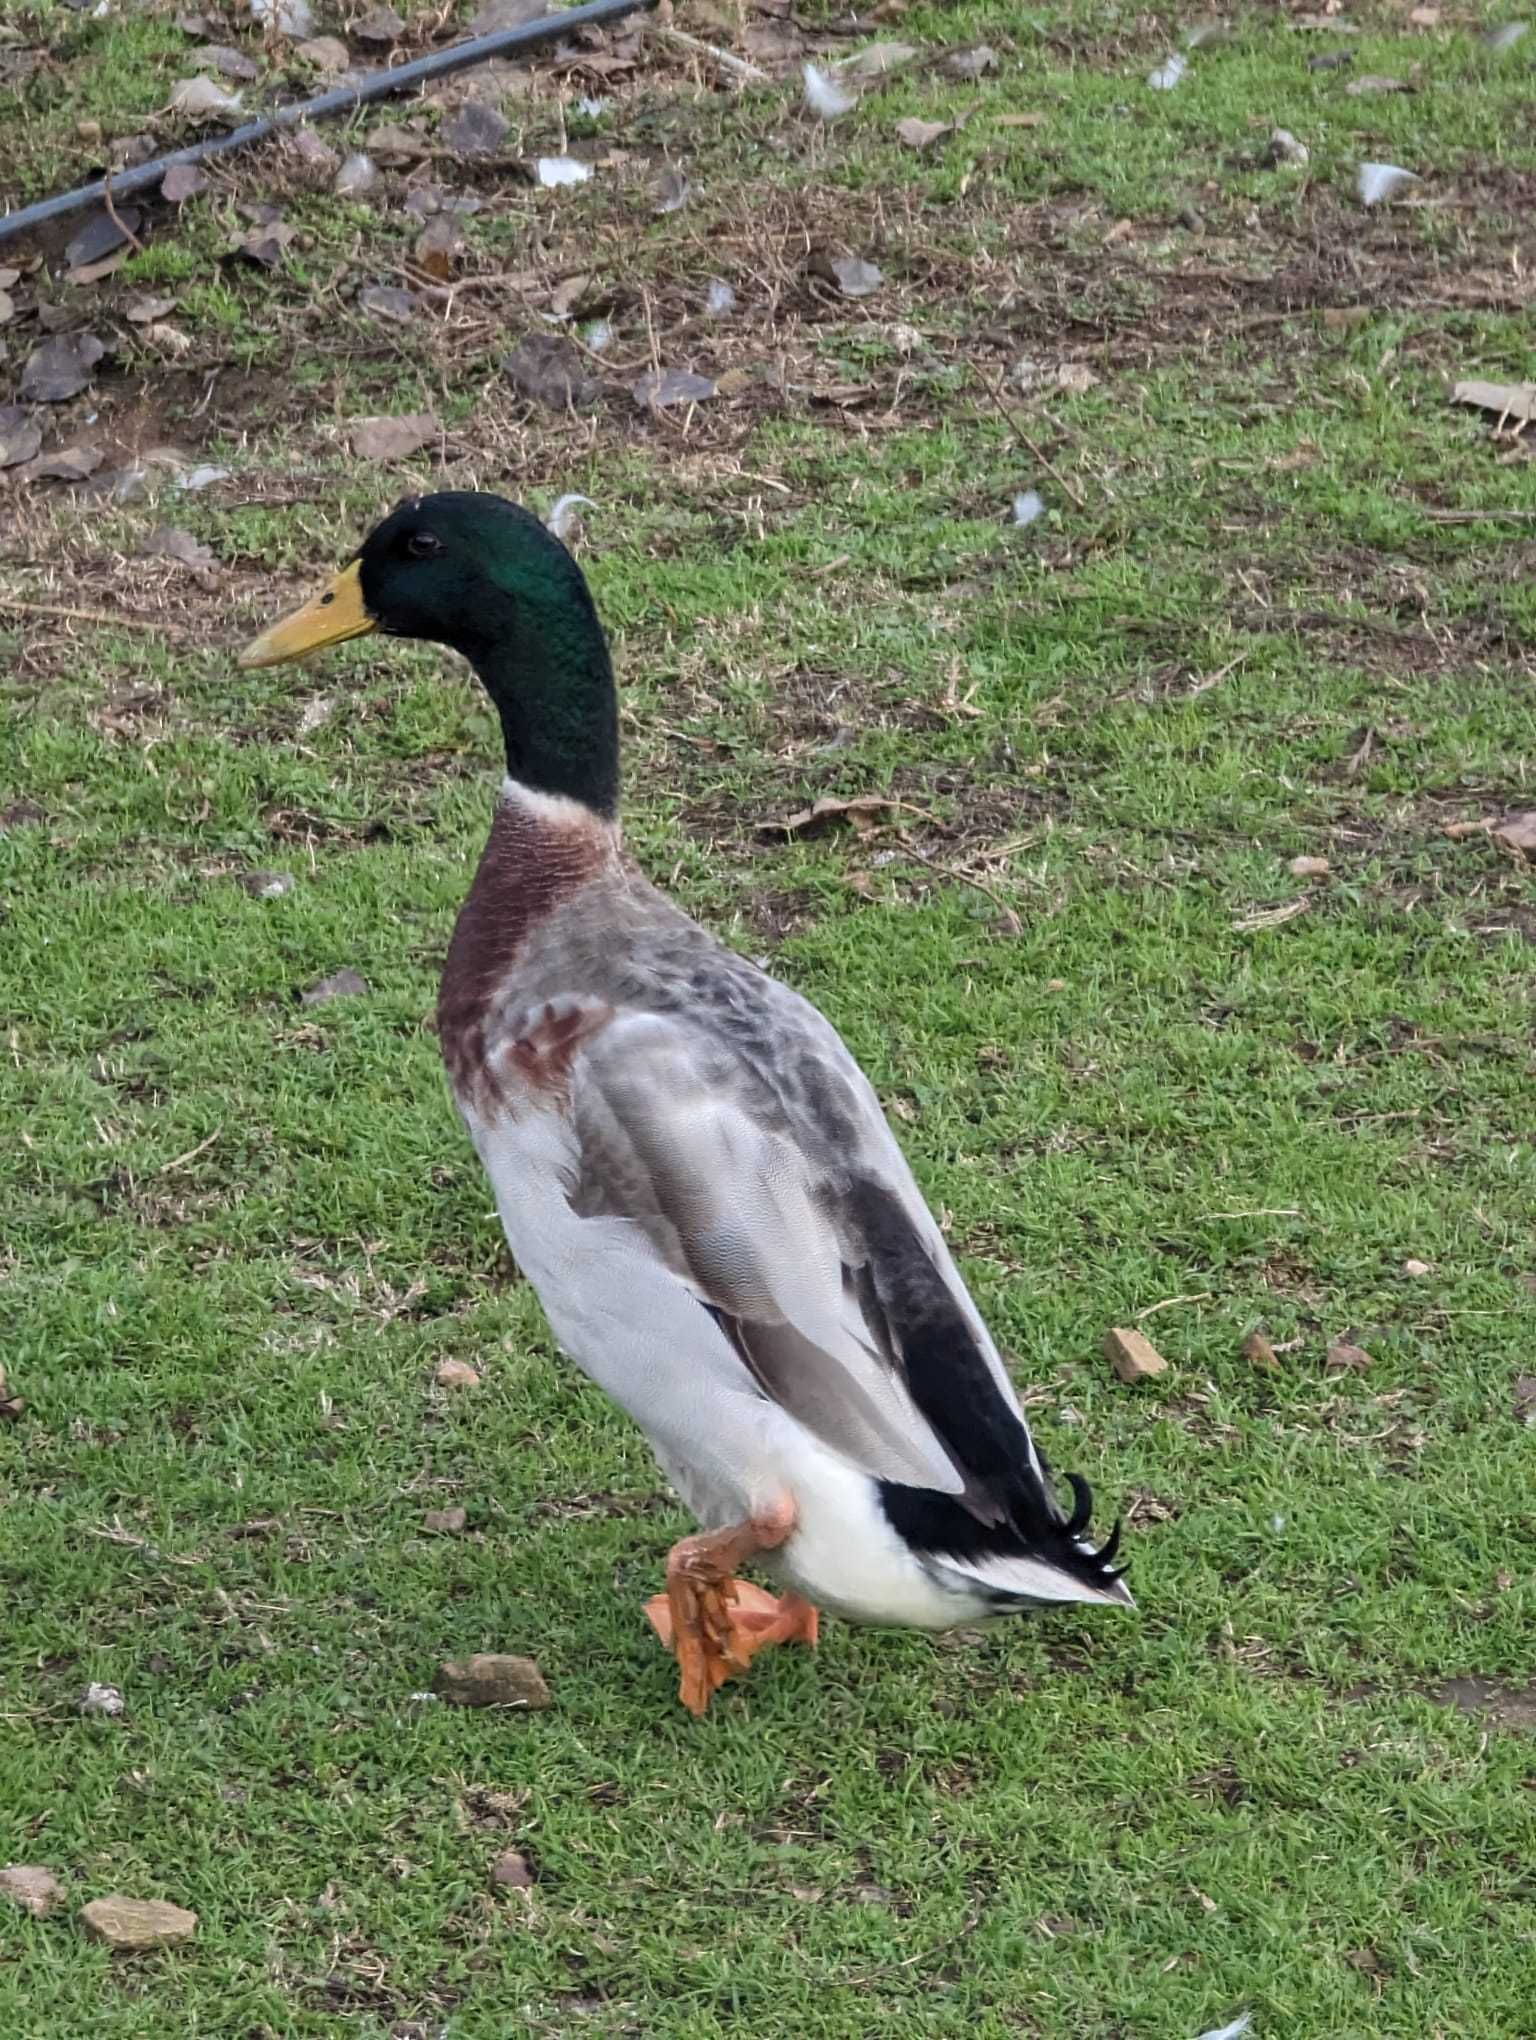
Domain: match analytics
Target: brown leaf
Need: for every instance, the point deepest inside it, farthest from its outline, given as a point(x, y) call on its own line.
point(1309, 867)
point(861, 811)
point(381, 26)
point(1509, 400)
point(202, 99)
point(68, 464)
point(230, 62)
point(851, 274)
point(549, 370)
point(455, 1374)
point(181, 182)
point(394, 438)
point(921, 134)
point(439, 246)
point(1132, 1355)
point(491, 1679)
point(266, 243)
point(476, 129)
point(444, 1522)
point(1517, 833)
point(512, 1871)
point(60, 368)
point(672, 192)
point(19, 437)
point(972, 63)
point(167, 542)
point(1258, 1352)
point(36, 1890)
point(324, 53)
point(146, 310)
point(1345, 1358)
point(385, 301)
point(671, 386)
point(1020, 120)
point(1369, 84)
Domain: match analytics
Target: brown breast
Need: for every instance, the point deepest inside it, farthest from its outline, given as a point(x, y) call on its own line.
point(533, 862)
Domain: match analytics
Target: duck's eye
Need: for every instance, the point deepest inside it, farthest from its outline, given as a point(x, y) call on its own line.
point(423, 545)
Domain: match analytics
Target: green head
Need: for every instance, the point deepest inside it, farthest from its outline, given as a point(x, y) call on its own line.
point(485, 577)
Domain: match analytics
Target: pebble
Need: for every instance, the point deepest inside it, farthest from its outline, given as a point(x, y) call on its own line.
point(490, 1679)
point(137, 1922)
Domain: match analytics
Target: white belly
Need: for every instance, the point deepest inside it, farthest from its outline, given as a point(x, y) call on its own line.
point(635, 1329)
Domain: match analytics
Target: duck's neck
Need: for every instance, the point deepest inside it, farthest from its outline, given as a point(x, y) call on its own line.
point(546, 668)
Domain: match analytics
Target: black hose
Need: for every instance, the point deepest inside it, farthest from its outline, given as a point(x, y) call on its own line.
point(342, 99)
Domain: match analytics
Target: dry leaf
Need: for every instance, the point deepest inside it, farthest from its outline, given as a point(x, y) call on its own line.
point(358, 175)
point(385, 301)
point(1258, 1352)
point(1517, 832)
point(202, 99)
point(19, 437)
point(490, 1679)
point(326, 53)
point(230, 62)
point(476, 129)
point(670, 386)
point(266, 243)
point(672, 192)
point(1020, 120)
point(1346, 1358)
point(550, 370)
point(181, 182)
point(69, 464)
point(970, 64)
point(36, 1890)
point(852, 275)
point(921, 134)
point(876, 60)
point(101, 235)
point(396, 437)
point(60, 368)
point(865, 811)
point(1272, 917)
point(439, 246)
point(1132, 1355)
point(1371, 85)
point(1416, 1268)
point(1309, 867)
point(345, 983)
point(455, 1374)
point(1509, 400)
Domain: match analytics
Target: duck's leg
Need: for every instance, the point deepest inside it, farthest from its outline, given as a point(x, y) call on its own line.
point(717, 1624)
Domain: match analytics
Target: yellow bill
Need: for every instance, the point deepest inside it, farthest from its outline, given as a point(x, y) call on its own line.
point(335, 614)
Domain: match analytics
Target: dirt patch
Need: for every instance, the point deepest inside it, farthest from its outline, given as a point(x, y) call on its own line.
point(1505, 1706)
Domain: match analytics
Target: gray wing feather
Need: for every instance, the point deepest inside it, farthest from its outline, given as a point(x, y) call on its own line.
point(677, 1135)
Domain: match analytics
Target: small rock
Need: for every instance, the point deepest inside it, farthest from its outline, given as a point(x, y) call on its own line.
point(316, 158)
point(512, 1871)
point(455, 1374)
point(325, 53)
point(444, 1522)
point(19, 437)
point(671, 386)
point(972, 63)
point(1346, 1358)
point(1259, 1353)
point(181, 182)
point(1416, 1268)
point(230, 62)
point(381, 26)
point(1133, 1357)
point(1309, 867)
point(1284, 148)
point(439, 247)
point(395, 437)
point(267, 885)
point(33, 1888)
point(386, 300)
point(99, 1699)
point(137, 1922)
point(489, 1679)
point(341, 984)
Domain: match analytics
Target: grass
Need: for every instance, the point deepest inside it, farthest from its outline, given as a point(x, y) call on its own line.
point(241, 1232)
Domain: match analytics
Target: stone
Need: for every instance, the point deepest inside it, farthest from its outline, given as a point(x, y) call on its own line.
point(137, 1922)
point(444, 1522)
point(1133, 1356)
point(456, 1374)
point(512, 1871)
point(1258, 1352)
point(491, 1679)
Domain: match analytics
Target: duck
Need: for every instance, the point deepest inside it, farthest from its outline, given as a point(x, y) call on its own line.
point(695, 1174)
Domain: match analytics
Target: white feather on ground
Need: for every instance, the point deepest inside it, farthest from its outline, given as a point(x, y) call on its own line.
point(1379, 181)
point(562, 518)
point(1168, 73)
point(1231, 2032)
point(823, 98)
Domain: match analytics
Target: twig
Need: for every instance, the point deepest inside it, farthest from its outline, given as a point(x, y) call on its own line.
point(112, 214)
point(738, 65)
point(191, 1155)
point(1263, 1211)
point(85, 615)
point(1479, 516)
point(1018, 431)
point(1015, 925)
point(1168, 1302)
